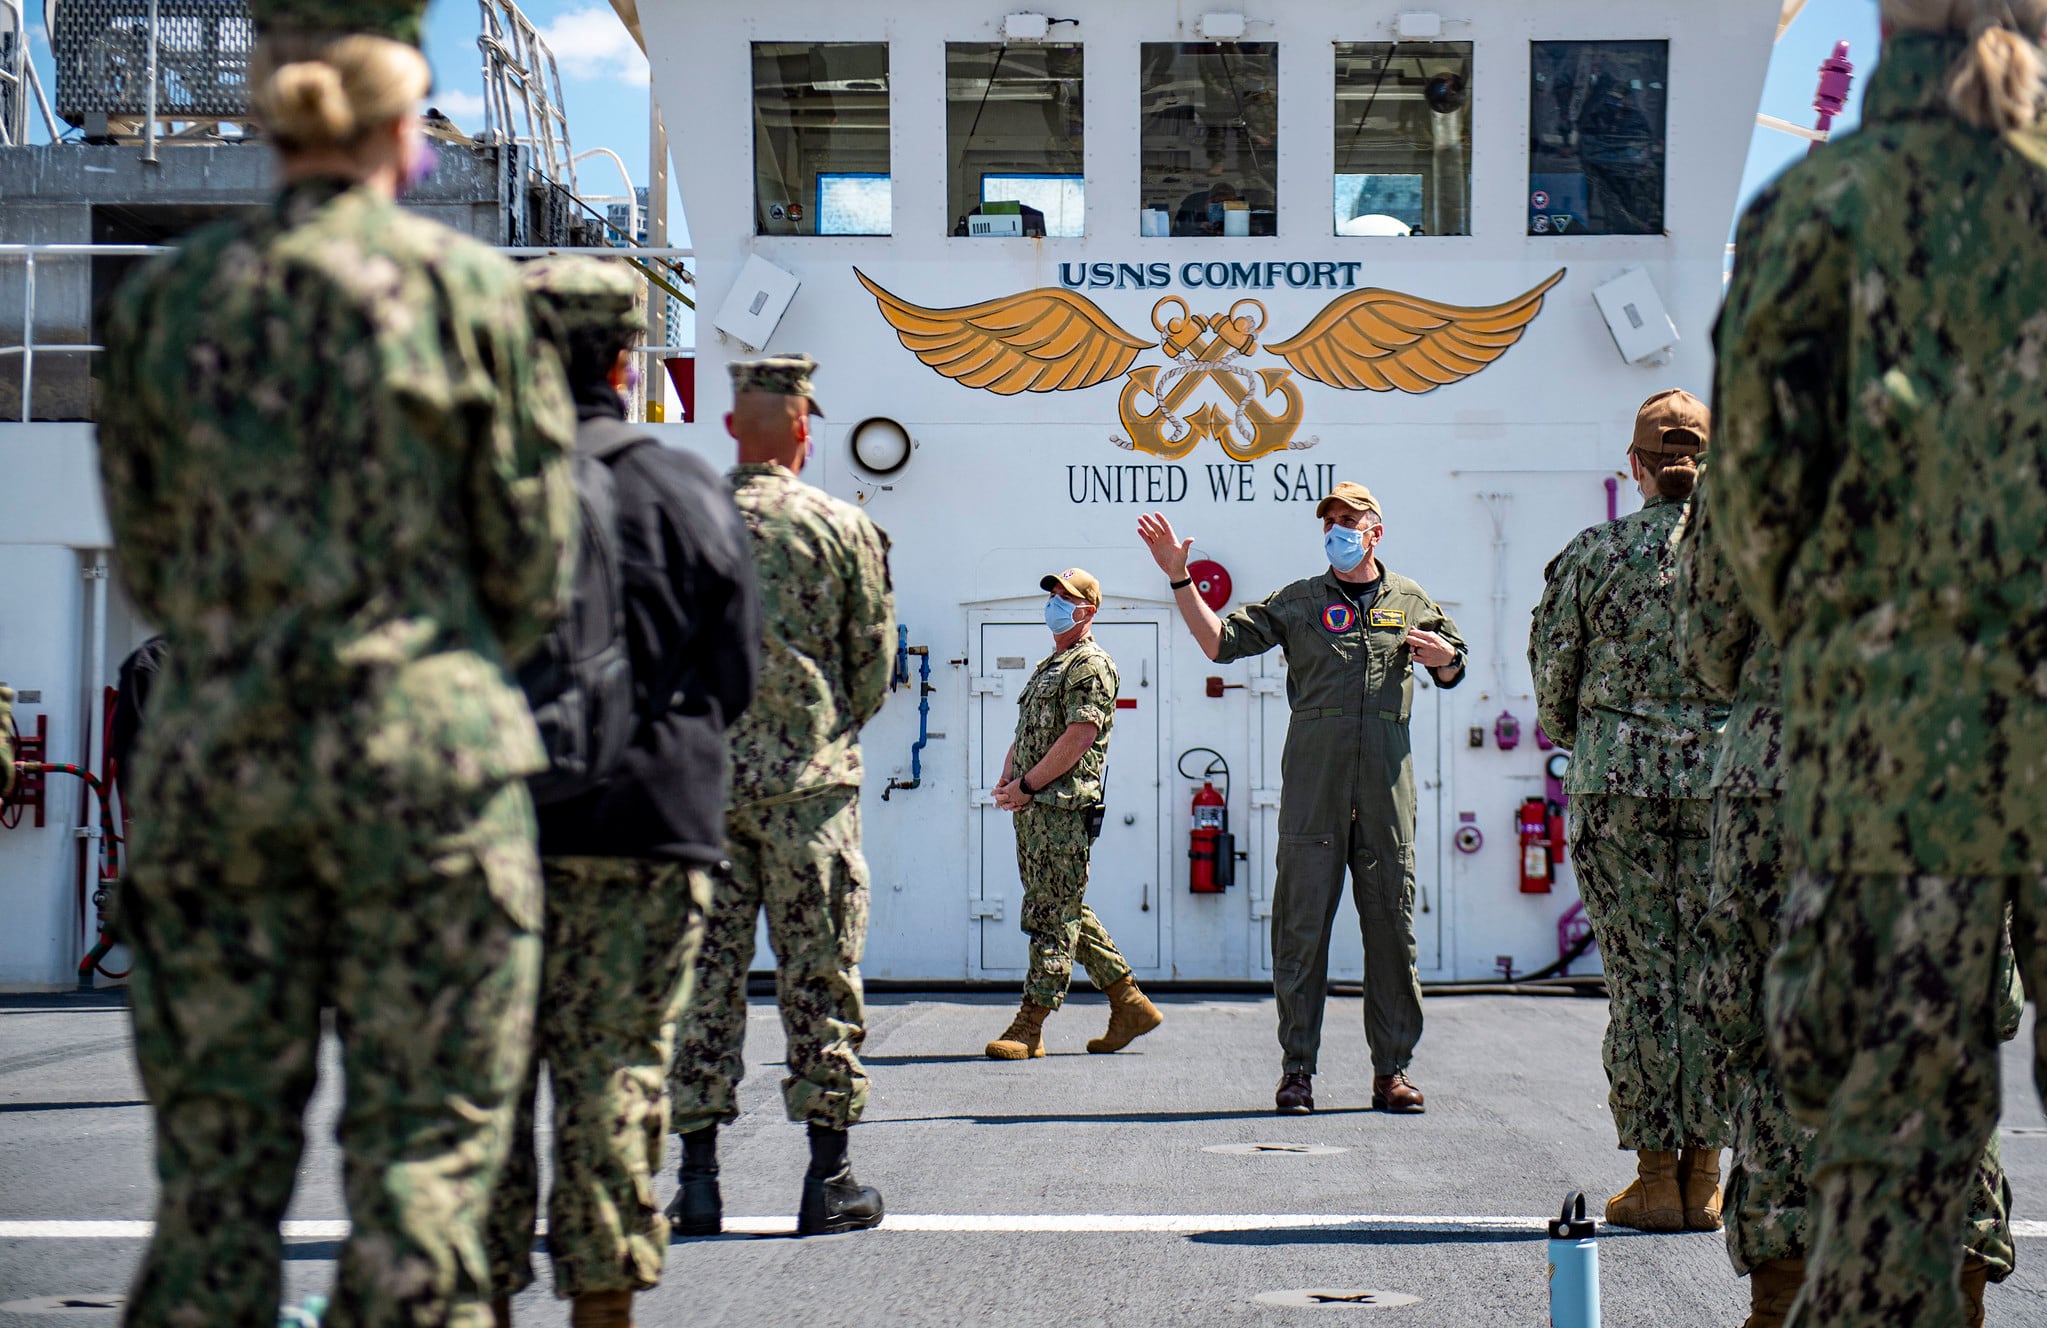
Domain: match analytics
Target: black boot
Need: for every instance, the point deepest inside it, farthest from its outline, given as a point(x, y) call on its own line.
point(832, 1199)
point(697, 1209)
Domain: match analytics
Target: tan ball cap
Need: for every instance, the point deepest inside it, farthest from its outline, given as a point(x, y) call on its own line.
point(1672, 424)
point(1354, 496)
point(1077, 583)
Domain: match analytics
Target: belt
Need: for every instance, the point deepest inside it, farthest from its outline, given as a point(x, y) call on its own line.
point(1338, 712)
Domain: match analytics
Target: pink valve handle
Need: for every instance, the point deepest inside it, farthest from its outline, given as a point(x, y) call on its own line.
point(1837, 80)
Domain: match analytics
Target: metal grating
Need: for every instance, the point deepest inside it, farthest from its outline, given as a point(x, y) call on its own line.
point(102, 54)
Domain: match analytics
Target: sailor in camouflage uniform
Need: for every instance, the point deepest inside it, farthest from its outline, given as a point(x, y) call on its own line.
point(334, 460)
point(1878, 486)
point(1771, 1152)
point(629, 863)
point(1609, 687)
point(1352, 637)
point(1052, 780)
point(794, 827)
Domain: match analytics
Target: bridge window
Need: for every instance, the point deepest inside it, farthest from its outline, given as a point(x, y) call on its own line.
point(820, 138)
point(1403, 138)
point(1015, 149)
point(1596, 137)
point(1211, 138)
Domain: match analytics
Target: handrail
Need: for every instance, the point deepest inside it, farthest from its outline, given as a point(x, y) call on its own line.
point(28, 254)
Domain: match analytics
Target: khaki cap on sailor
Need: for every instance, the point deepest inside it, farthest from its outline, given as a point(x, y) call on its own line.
point(1354, 496)
point(1672, 424)
point(1077, 583)
point(778, 375)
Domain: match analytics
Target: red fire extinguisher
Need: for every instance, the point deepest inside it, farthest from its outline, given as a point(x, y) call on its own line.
point(1211, 848)
point(1538, 856)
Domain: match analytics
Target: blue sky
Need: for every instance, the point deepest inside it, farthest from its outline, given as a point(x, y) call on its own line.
point(604, 81)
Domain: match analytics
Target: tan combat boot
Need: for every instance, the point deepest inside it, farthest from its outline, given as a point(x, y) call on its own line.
point(1975, 1281)
point(1698, 1181)
point(1653, 1202)
point(1025, 1038)
point(1131, 1016)
point(1772, 1287)
point(602, 1309)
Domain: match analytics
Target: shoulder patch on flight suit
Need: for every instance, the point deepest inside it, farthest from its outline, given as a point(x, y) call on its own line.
point(1339, 617)
point(1387, 618)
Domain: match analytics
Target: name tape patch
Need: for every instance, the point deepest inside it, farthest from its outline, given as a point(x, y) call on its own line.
point(1388, 618)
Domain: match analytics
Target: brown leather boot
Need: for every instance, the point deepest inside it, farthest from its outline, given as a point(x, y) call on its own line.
point(1131, 1016)
point(1024, 1039)
point(1653, 1202)
point(501, 1312)
point(602, 1309)
point(1975, 1281)
point(1698, 1181)
point(1396, 1093)
point(1772, 1287)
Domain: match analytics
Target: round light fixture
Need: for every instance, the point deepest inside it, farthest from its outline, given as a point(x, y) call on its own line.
point(1558, 765)
point(881, 447)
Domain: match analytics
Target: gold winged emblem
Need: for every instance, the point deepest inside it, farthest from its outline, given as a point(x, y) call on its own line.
point(1053, 340)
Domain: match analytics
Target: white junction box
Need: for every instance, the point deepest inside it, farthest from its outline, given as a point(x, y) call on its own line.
point(1634, 313)
point(758, 300)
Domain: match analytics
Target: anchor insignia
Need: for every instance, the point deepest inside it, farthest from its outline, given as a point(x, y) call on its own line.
point(1209, 349)
point(1054, 340)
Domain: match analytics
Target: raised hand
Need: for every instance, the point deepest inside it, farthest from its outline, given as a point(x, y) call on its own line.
point(1168, 550)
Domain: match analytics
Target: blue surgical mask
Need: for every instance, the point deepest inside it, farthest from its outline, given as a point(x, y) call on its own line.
point(1059, 615)
point(1345, 547)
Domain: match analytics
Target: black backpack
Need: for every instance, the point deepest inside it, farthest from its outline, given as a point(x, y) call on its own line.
point(579, 681)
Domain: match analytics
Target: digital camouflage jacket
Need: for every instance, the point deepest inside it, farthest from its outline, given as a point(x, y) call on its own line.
point(335, 462)
point(1724, 650)
point(1607, 680)
point(1881, 404)
point(1076, 686)
point(827, 613)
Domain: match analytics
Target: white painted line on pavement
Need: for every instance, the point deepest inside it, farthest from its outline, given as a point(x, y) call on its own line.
point(956, 1223)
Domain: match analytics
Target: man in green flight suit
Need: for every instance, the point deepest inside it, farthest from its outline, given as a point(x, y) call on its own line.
point(1352, 636)
point(1052, 780)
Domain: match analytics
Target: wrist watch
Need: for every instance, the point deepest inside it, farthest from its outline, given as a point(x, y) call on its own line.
point(1182, 583)
point(1023, 782)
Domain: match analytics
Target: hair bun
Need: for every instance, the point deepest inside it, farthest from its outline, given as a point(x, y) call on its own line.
point(308, 105)
point(1999, 81)
point(1677, 476)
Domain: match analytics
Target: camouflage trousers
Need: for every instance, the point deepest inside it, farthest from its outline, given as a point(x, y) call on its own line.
point(621, 938)
point(1766, 1200)
point(799, 861)
point(1052, 848)
point(1885, 1004)
point(419, 926)
point(1643, 868)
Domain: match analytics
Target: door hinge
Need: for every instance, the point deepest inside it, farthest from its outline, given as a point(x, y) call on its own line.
point(1265, 797)
point(1268, 686)
point(982, 798)
point(985, 908)
point(1260, 909)
point(982, 686)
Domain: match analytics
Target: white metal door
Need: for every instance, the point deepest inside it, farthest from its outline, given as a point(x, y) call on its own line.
point(1124, 874)
point(1346, 946)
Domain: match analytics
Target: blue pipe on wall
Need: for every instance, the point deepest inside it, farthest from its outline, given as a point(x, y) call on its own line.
point(901, 678)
